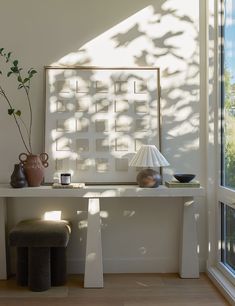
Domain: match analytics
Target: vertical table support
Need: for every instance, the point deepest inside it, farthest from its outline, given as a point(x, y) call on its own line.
point(3, 258)
point(189, 263)
point(93, 265)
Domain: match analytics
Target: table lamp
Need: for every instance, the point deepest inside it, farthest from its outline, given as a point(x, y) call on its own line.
point(148, 157)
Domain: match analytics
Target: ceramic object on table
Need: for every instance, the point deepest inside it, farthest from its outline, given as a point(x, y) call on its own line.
point(148, 178)
point(34, 167)
point(184, 178)
point(18, 178)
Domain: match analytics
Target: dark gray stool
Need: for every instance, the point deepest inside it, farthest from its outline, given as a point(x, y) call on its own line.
point(41, 253)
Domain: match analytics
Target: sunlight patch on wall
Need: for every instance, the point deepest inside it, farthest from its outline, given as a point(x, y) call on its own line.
point(115, 45)
point(164, 36)
point(143, 36)
point(52, 215)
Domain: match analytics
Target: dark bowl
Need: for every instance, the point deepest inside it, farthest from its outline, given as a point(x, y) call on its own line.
point(184, 178)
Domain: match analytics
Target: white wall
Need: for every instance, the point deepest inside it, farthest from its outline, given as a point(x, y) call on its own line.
point(138, 235)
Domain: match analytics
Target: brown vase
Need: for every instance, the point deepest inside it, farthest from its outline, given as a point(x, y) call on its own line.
point(34, 167)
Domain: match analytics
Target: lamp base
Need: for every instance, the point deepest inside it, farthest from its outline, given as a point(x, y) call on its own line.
point(148, 178)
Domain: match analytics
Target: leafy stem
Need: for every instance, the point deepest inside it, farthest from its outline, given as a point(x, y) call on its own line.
point(23, 82)
point(27, 131)
point(26, 89)
point(11, 112)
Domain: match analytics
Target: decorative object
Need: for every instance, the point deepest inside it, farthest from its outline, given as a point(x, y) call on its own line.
point(24, 125)
point(97, 117)
point(18, 178)
point(34, 167)
point(65, 178)
point(70, 186)
point(148, 178)
point(176, 184)
point(148, 157)
point(184, 178)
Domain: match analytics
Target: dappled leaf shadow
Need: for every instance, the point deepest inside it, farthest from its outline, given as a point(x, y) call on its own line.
point(157, 48)
point(124, 39)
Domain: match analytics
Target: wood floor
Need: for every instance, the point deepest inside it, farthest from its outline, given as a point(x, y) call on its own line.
point(119, 290)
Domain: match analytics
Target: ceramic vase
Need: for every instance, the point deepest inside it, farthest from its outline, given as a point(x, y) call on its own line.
point(18, 178)
point(34, 167)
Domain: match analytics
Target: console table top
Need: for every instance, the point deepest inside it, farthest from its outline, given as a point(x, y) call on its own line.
point(100, 191)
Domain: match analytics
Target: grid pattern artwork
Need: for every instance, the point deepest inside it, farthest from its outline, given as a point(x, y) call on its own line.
point(97, 118)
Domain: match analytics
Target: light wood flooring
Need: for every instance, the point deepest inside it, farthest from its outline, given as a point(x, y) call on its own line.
point(119, 290)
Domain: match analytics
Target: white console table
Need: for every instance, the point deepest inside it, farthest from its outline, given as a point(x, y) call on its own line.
point(189, 265)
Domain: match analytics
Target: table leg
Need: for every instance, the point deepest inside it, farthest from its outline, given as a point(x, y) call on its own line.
point(189, 264)
point(3, 260)
point(93, 264)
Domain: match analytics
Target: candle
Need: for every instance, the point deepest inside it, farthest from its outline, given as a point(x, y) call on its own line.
point(65, 178)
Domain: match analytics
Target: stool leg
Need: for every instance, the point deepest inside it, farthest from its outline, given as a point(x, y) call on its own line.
point(39, 268)
point(22, 266)
point(58, 266)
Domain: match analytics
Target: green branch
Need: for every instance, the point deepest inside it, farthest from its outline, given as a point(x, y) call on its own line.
point(14, 116)
point(25, 84)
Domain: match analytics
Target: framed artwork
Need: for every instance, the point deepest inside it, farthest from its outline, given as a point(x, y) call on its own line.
point(97, 118)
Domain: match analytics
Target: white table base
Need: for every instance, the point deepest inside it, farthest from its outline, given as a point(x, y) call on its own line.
point(93, 264)
point(189, 263)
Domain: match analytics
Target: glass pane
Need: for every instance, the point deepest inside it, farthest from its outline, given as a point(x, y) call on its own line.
point(228, 236)
point(228, 96)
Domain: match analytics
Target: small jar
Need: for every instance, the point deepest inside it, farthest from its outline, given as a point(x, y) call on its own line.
point(65, 178)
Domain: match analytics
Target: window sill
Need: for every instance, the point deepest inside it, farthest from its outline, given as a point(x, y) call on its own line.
point(222, 283)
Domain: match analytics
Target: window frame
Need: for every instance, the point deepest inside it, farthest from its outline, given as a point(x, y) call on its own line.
point(211, 37)
point(220, 265)
point(225, 195)
point(224, 212)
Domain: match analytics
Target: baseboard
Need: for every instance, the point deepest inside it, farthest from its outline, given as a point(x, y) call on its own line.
point(132, 265)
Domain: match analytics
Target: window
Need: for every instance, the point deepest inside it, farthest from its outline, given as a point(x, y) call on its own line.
point(228, 237)
point(228, 137)
point(228, 96)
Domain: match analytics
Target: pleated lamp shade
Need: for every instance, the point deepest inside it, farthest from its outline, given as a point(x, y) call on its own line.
point(148, 156)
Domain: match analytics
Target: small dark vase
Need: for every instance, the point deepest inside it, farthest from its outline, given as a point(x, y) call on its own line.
point(18, 178)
